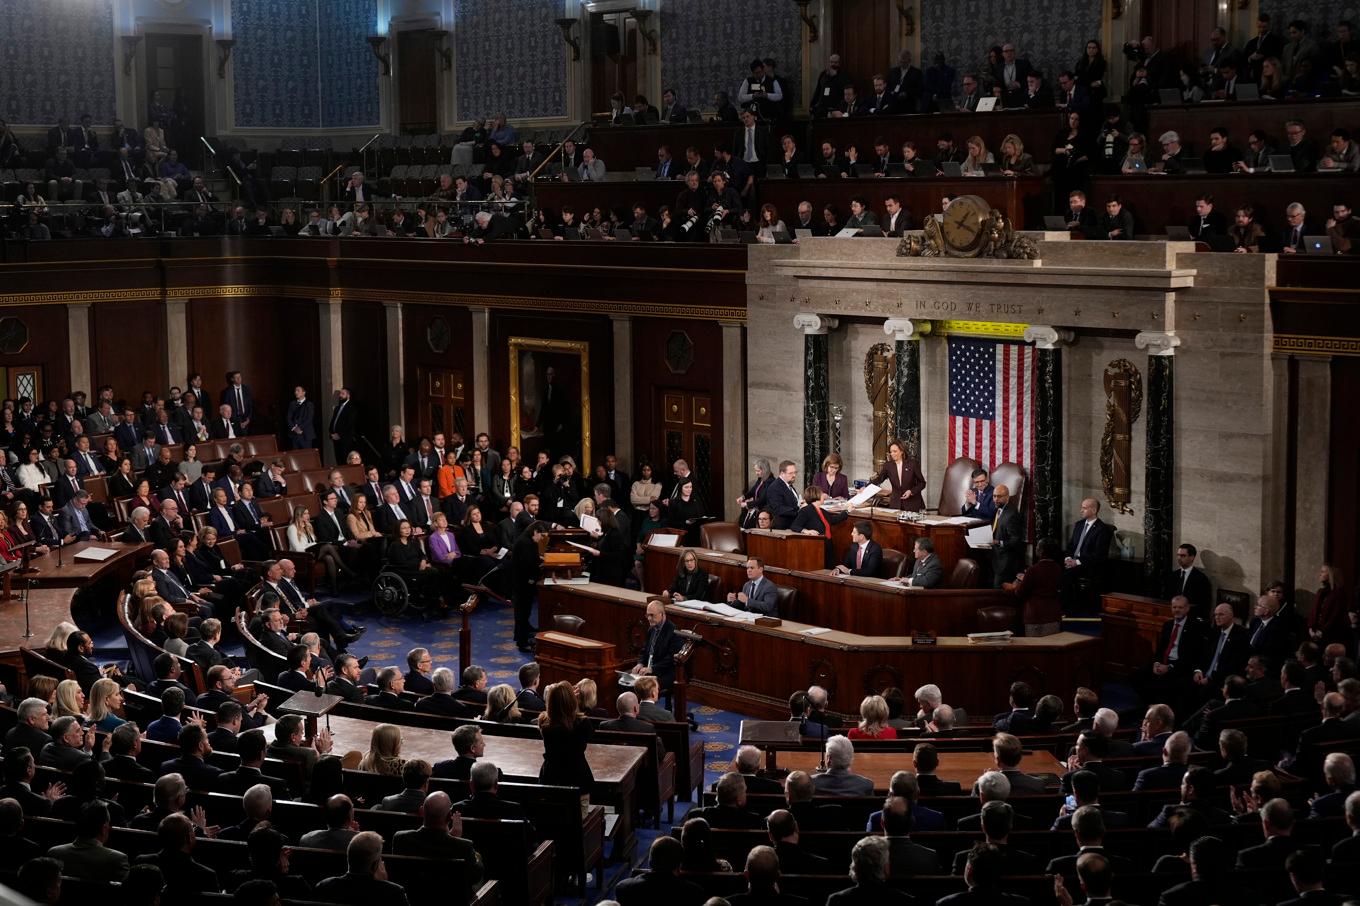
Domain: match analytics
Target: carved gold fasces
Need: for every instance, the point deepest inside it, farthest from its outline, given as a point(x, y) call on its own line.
point(1123, 404)
point(880, 366)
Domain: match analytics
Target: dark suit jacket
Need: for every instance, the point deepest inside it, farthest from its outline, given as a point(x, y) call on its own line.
point(1274, 642)
point(1189, 647)
point(911, 479)
point(1008, 556)
point(1196, 588)
point(243, 778)
point(782, 503)
point(933, 786)
point(1095, 548)
point(872, 563)
point(1232, 660)
point(1162, 777)
point(491, 806)
point(661, 647)
point(1270, 854)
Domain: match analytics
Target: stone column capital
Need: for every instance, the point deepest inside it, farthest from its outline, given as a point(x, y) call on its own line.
point(1045, 337)
point(901, 329)
point(1157, 342)
point(813, 324)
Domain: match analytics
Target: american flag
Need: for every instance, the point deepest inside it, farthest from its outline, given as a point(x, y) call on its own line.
point(991, 401)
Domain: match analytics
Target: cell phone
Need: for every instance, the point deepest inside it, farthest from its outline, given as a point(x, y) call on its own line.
point(1071, 802)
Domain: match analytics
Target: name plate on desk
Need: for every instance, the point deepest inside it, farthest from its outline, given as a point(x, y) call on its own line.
point(923, 638)
point(95, 554)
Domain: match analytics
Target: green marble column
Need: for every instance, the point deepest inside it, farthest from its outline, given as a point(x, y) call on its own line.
point(907, 395)
point(816, 389)
point(1048, 440)
point(1159, 464)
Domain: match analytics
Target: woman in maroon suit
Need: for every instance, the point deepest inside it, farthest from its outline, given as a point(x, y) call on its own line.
point(831, 479)
point(904, 477)
point(1328, 622)
point(1037, 590)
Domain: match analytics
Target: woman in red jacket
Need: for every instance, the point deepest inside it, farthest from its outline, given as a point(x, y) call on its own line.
point(1328, 622)
point(1037, 589)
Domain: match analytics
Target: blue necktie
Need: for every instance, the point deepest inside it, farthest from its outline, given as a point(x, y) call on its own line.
point(1222, 640)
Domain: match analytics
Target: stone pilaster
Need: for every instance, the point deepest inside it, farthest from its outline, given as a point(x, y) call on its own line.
point(1313, 439)
point(481, 368)
point(177, 340)
point(1046, 481)
point(78, 344)
point(623, 391)
point(907, 381)
point(816, 388)
point(733, 413)
point(1160, 461)
point(331, 333)
point(396, 366)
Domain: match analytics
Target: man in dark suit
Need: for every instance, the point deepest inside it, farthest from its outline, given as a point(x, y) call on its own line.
point(1179, 652)
point(1277, 823)
point(1198, 788)
point(658, 653)
point(672, 111)
point(907, 82)
point(1305, 761)
point(391, 684)
point(730, 812)
point(1006, 754)
point(1012, 74)
point(628, 720)
point(1168, 774)
point(1226, 651)
point(759, 594)
point(341, 427)
point(415, 779)
point(781, 497)
point(864, 556)
point(926, 569)
point(1206, 724)
point(1268, 634)
point(905, 858)
point(193, 749)
point(1088, 547)
point(996, 821)
point(1210, 876)
point(468, 746)
point(483, 781)
point(1338, 773)
point(1088, 824)
point(250, 748)
point(1189, 580)
point(751, 142)
point(1019, 720)
point(1008, 536)
point(925, 758)
point(1158, 722)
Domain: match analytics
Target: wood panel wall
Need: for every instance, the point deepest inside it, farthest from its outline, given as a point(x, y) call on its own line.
point(416, 349)
point(48, 346)
point(366, 369)
point(127, 347)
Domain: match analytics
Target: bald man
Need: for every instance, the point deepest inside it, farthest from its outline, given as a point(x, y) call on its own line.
point(1008, 537)
point(1227, 651)
point(1088, 547)
point(658, 654)
point(439, 837)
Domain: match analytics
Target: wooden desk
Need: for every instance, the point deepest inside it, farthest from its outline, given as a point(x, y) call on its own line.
point(785, 549)
point(964, 767)
point(848, 603)
point(615, 767)
point(76, 574)
point(572, 657)
point(1036, 129)
point(950, 541)
point(1130, 626)
point(752, 669)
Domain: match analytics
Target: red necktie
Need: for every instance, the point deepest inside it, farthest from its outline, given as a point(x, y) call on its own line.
point(1175, 634)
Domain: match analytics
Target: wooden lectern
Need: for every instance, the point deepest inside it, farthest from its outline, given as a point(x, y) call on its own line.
point(1130, 626)
point(310, 705)
point(570, 657)
point(786, 550)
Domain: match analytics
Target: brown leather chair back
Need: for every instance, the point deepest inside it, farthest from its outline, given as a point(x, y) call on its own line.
point(568, 623)
point(714, 588)
point(997, 618)
point(784, 600)
point(722, 536)
point(955, 485)
point(1012, 475)
point(964, 575)
point(893, 561)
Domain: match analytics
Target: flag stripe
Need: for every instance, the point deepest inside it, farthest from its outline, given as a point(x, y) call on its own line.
point(992, 396)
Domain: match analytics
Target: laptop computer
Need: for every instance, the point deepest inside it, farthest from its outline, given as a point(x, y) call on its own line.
point(863, 170)
point(803, 233)
point(986, 105)
point(1281, 163)
point(1318, 245)
point(748, 236)
point(623, 234)
point(896, 170)
point(830, 171)
point(923, 167)
point(1193, 166)
point(1179, 234)
point(1055, 222)
point(774, 171)
point(871, 229)
point(594, 233)
point(545, 233)
point(991, 169)
point(952, 168)
point(1218, 242)
point(782, 237)
point(1168, 96)
point(806, 171)
point(1247, 92)
point(644, 174)
point(726, 234)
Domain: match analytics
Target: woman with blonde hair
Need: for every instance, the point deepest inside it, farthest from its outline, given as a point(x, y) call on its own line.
point(106, 699)
point(873, 723)
point(502, 705)
point(43, 687)
point(56, 642)
point(977, 156)
point(70, 701)
point(384, 752)
point(588, 694)
point(302, 539)
point(1014, 161)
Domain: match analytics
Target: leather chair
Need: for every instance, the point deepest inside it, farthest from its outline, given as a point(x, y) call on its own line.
point(997, 618)
point(964, 575)
point(893, 563)
point(1012, 475)
point(784, 600)
point(955, 485)
point(714, 588)
point(725, 537)
point(568, 623)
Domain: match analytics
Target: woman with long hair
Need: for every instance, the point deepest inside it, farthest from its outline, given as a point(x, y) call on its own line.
point(106, 700)
point(691, 582)
point(502, 705)
point(384, 751)
point(70, 701)
point(873, 722)
point(1329, 622)
point(302, 539)
point(566, 733)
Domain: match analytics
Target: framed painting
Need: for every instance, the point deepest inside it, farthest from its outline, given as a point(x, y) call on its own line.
point(550, 399)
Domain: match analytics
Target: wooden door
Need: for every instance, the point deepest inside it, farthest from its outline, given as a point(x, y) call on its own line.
point(687, 432)
point(24, 380)
point(861, 32)
point(174, 69)
point(613, 59)
point(1180, 28)
point(441, 404)
point(416, 81)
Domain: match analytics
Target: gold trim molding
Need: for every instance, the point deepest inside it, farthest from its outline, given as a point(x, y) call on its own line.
point(997, 329)
point(1309, 345)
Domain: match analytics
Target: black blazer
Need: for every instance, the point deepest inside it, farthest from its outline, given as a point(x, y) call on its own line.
point(693, 586)
point(1095, 547)
point(782, 502)
point(872, 563)
point(1190, 647)
point(661, 647)
point(1008, 556)
point(1196, 588)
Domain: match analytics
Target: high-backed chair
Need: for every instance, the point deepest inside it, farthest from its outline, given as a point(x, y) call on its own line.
point(1012, 475)
point(722, 536)
point(955, 485)
point(784, 599)
point(568, 623)
point(893, 561)
point(964, 575)
point(714, 588)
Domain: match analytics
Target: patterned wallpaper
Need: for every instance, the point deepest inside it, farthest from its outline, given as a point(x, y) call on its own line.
point(304, 64)
point(706, 44)
point(510, 58)
point(56, 59)
point(1051, 35)
point(1321, 15)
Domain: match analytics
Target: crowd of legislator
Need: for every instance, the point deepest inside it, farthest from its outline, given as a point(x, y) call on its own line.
point(133, 183)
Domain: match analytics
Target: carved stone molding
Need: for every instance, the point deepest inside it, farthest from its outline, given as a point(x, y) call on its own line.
point(1157, 342)
point(813, 324)
point(1045, 337)
point(901, 329)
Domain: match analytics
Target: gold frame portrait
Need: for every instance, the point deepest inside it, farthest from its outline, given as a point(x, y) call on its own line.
point(578, 348)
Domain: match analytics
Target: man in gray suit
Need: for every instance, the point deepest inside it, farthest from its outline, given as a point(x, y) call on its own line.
point(838, 779)
point(147, 452)
point(758, 595)
point(87, 857)
point(926, 572)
